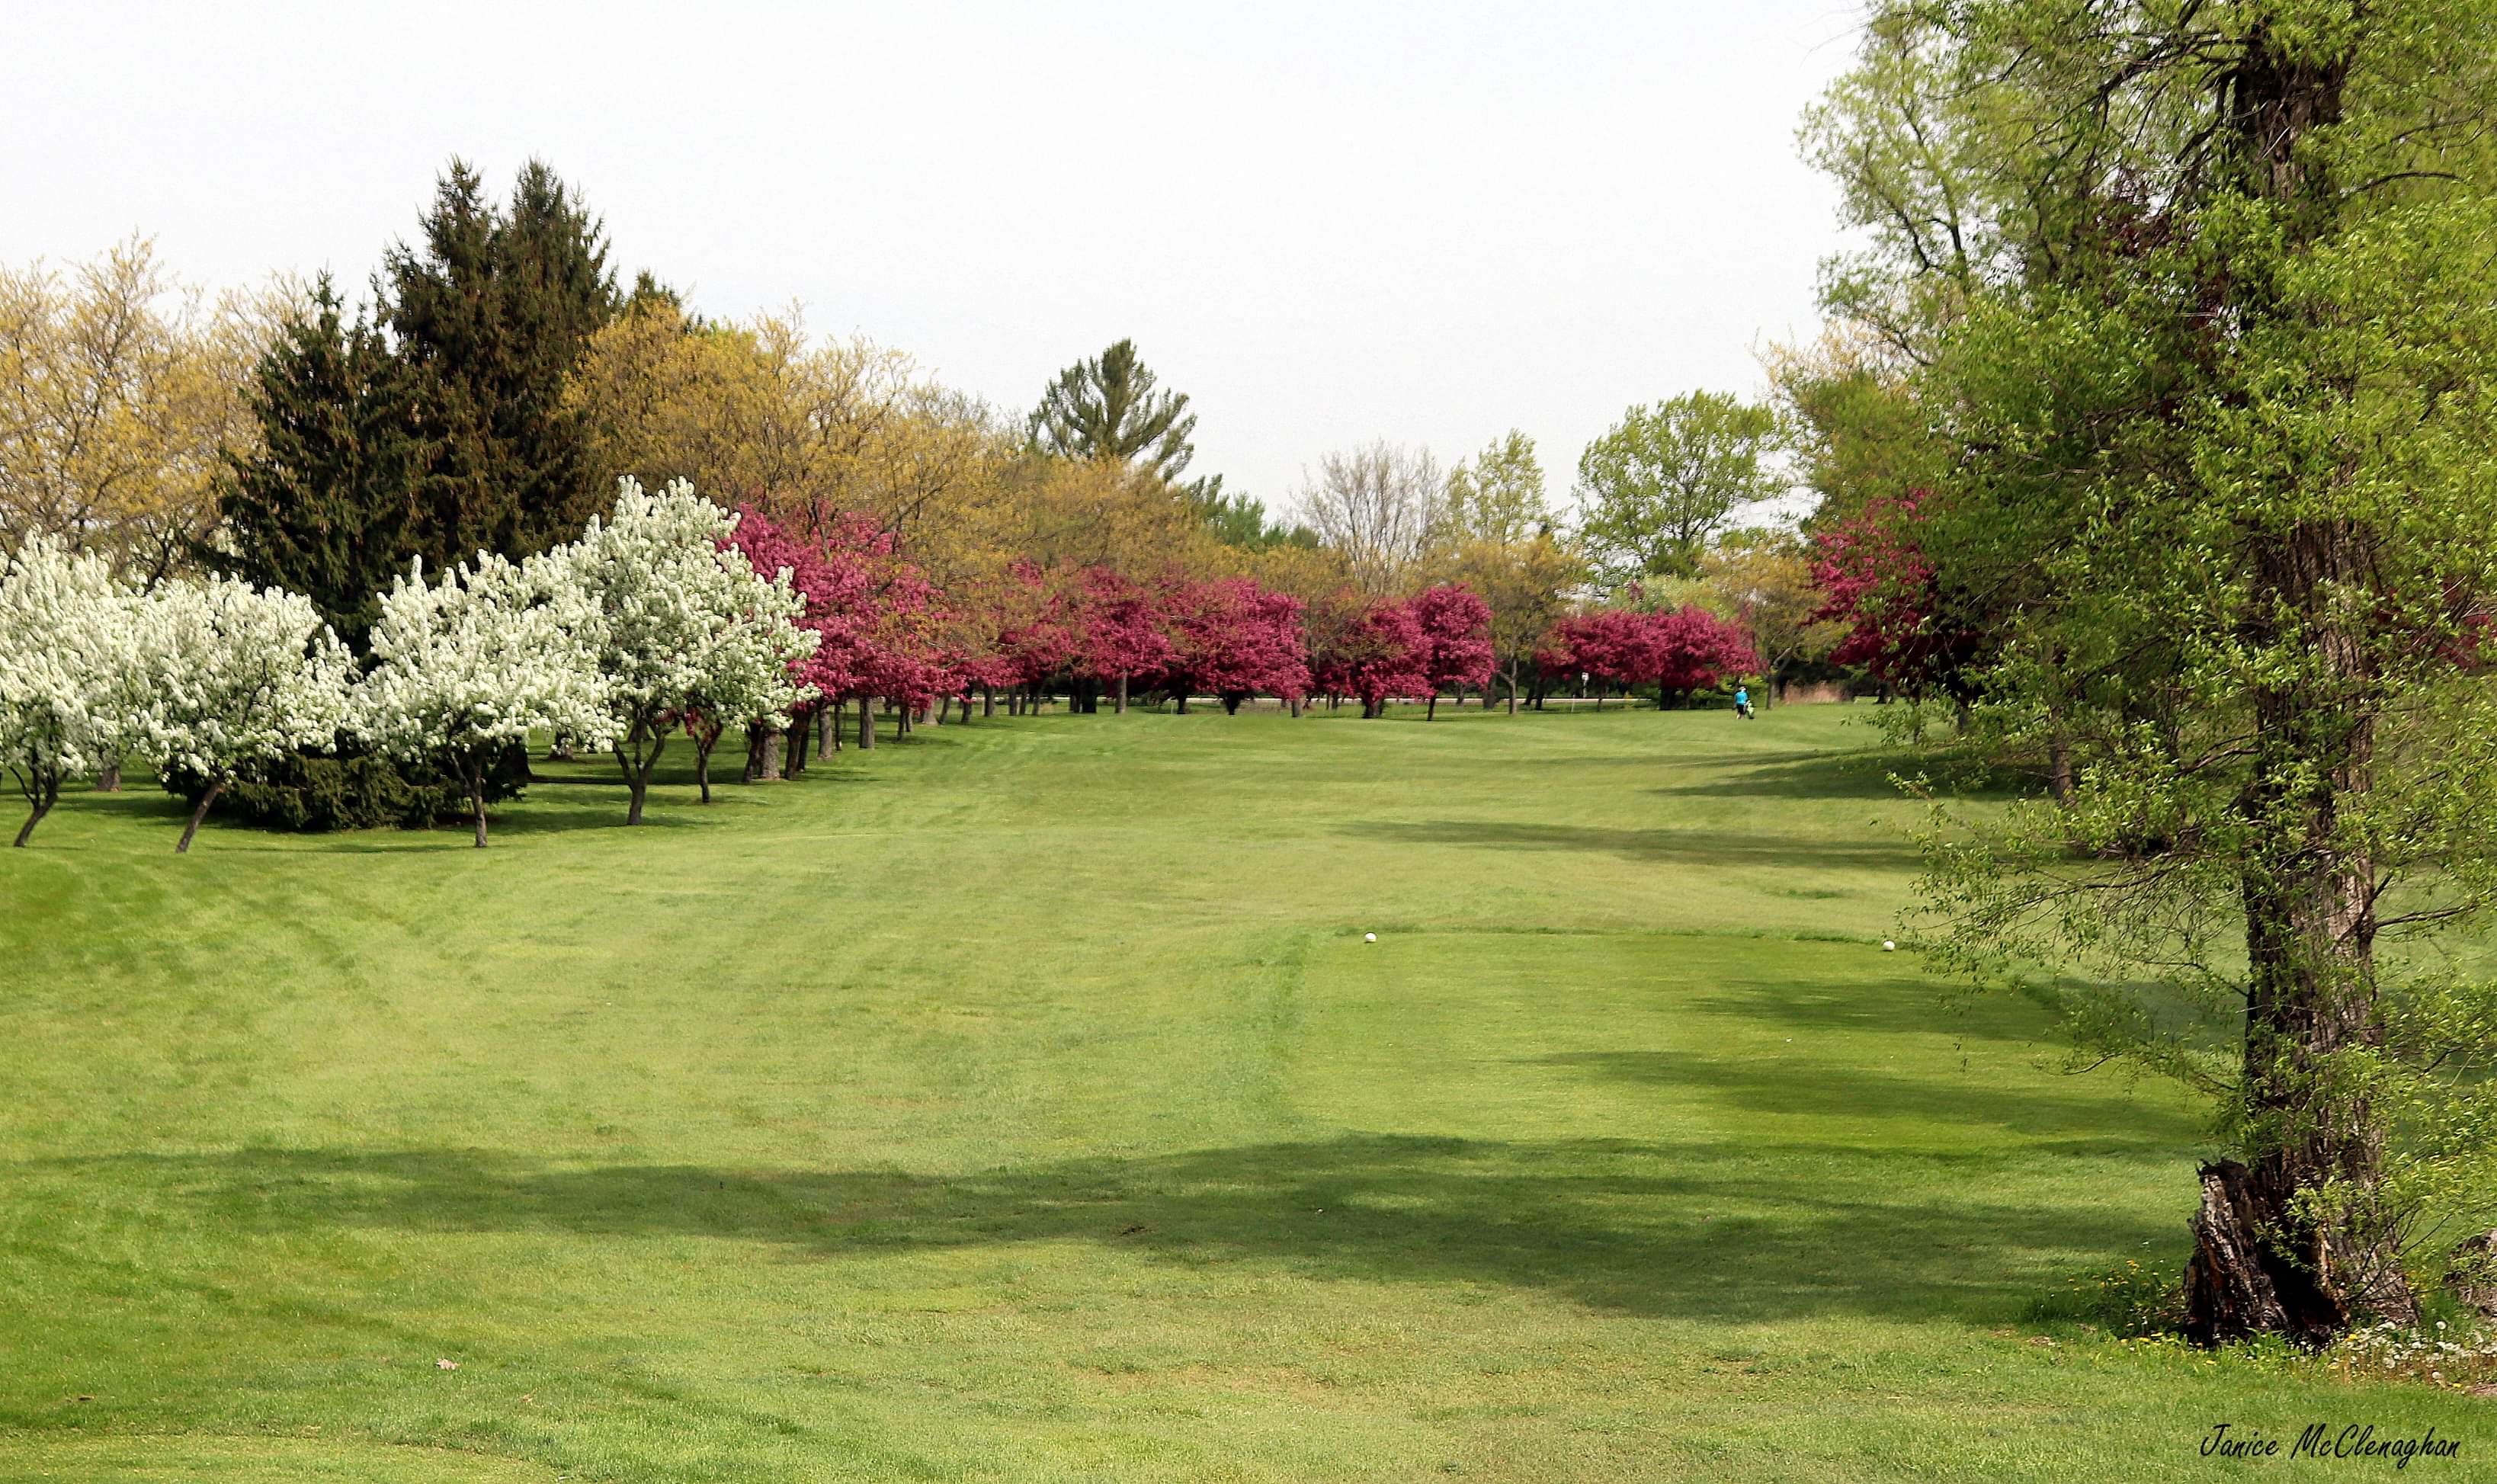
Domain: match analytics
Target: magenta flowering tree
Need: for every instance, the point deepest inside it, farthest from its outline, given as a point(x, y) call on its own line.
point(1234, 638)
point(1457, 649)
point(1122, 633)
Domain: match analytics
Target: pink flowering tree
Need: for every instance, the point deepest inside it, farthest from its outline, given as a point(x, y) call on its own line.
point(839, 603)
point(1691, 649)
point(1371, 651)
point(1234, 638)
point(1874, 577)
point(1123, 634)
point(1457, 649)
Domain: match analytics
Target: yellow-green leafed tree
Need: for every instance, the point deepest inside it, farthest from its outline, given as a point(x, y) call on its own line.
point(119, 389)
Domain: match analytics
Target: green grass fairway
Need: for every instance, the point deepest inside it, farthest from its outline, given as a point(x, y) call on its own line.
point(1023, 1104)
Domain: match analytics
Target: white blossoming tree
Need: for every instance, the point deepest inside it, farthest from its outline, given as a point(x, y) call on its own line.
point(240, 675)
point(681, 624)
point(470, 665)
point(72, 676)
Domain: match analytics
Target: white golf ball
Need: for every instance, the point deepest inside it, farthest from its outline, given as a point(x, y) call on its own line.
point(1889, 947)
point(1369, 937)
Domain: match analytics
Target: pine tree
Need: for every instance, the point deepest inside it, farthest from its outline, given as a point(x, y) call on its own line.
point(493, 310)
point(1109, 407)
point(323, 504)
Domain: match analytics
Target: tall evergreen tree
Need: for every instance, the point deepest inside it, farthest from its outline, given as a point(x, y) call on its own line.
point(1111, 407)
point(493, 310)
point(321, 505)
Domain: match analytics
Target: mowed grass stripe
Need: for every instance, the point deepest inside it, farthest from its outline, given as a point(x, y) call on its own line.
point(1022, 1104)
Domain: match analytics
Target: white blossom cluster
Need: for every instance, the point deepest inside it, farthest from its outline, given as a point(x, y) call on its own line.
point(609, 641)
point(682, 621)
point(465, 667)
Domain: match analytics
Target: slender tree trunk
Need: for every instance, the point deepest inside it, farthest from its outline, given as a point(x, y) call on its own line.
point(1512, 689)
point(827, 728)
point(476, 772)
point(988, 701)
point(1182, 702)
point(107, 779)
point(867, 722)
point(703, 741)
point(1431, 712)
point(45, 793)
point(1122, 710)
point(198, 813)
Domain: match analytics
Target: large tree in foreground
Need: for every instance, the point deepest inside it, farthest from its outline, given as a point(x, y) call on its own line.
point(2202, 296)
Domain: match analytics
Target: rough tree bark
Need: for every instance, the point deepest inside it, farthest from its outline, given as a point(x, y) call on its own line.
point(2308, 893)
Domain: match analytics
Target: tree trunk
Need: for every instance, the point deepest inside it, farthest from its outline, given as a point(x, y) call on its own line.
point(703, 741)
point(827, 728)
point(477, 797)
point(773, 757)
point(638, 766)
point(1431, 712)
point(183, 846)
point(2312, 1002)
point(45, 794)
point(867, 722)
point(108, 778)
point(1121, 708)
point(2059, 766)
point(988, 701)
point(1183, 703)
point(1296, 708)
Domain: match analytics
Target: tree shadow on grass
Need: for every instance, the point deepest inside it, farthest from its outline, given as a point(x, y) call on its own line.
point(1904, 1005)
point(1704, 849)
point(1724, 1232)
point(1879, 1104)
point(1798, 775)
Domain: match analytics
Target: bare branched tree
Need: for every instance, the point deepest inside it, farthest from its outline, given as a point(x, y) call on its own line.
point(1378, 505)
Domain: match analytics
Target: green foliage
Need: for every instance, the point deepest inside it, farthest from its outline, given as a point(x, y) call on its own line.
point(1496, 497)
point(322, 501)
point(1240, 519)
point(2219, 367)
point(1111, 407)
point(1663, 479)
point(492, 310)
point(350, 790)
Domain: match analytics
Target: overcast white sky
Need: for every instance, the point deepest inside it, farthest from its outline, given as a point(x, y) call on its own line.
point(1326, 222)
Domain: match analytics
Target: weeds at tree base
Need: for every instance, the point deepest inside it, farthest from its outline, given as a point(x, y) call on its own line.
point(2141, 1306)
